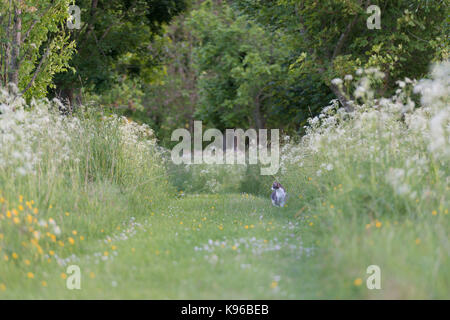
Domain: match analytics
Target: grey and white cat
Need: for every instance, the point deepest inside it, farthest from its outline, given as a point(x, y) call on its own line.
point(278, 195)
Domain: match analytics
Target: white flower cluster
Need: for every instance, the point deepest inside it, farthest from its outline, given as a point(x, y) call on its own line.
point(138, 139)
point(33, 136)
point(393, 134)
point(36, 136)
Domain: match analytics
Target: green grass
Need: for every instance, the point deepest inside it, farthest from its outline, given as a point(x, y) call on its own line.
point(370, 192)
point(160, 261)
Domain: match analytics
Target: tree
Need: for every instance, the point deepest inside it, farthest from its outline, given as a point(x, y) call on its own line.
point(226, 69)
point(333, 39)
point(171, 99)
point(34, 45)
point(238, 65)
point(114, 42)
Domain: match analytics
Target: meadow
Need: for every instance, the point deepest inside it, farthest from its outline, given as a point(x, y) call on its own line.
point(369, 187)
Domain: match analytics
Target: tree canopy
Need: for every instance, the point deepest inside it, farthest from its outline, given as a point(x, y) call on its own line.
point(333, 39)
point(39, 51)
point(246, 63)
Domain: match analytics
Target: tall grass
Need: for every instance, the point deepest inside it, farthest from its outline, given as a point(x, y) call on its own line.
point(375, 185)
point(67, 179)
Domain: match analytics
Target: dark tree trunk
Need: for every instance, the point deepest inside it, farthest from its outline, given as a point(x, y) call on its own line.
point(13, 72)
point(257, 116)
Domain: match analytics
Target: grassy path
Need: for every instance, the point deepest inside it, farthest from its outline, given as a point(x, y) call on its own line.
point(195, 247)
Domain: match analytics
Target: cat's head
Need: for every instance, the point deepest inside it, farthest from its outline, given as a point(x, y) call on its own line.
point(276, 185)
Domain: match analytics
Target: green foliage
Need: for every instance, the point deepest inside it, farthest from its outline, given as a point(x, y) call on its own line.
point(239, 65)
point(45, 47)
point(125, 96)
point(270, 63)
point(115, 41)
point(332, 38)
